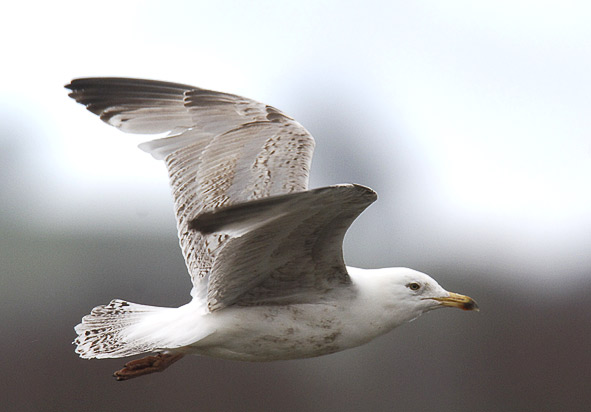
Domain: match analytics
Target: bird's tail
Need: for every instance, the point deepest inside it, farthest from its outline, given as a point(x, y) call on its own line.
point(124, 329)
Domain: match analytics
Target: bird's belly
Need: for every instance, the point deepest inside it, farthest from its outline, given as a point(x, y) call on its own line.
point(277, 332)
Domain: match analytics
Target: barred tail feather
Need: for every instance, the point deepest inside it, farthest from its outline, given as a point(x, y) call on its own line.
point(120, 329)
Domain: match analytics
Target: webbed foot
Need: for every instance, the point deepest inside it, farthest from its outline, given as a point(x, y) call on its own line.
point(146, 365)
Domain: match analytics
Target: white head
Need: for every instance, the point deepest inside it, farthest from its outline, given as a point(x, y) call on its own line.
point(405, 294)
point(422, 291)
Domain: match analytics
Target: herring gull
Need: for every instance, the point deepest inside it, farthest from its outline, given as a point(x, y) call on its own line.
point(264, 253)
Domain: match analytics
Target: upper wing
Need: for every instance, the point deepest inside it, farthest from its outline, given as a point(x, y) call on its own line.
point(283, 249)
point(221, 149)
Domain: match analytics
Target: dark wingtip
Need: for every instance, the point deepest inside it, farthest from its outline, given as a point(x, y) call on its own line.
point(74, 90)
point(75, 83)
point(70, 86)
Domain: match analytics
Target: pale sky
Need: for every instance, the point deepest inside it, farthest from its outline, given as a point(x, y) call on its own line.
point(474, 116)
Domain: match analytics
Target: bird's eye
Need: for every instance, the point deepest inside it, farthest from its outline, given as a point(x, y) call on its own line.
point(413, 286)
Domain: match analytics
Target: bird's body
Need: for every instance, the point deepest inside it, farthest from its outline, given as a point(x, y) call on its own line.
point(264, 253)
point(344, 319)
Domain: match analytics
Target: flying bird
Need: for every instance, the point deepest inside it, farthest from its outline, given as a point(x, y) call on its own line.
point(264, 252)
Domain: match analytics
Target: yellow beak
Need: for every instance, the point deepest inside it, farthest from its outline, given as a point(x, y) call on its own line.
point(455, 300)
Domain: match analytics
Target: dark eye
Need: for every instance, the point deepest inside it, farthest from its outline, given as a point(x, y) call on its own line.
point(413, 286)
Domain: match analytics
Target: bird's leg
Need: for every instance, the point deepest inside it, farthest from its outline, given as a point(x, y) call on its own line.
point(149, 364)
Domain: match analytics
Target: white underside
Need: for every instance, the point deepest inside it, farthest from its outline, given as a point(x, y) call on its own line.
point(266, 333)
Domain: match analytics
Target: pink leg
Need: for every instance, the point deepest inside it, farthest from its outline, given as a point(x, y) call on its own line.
point(149, 364)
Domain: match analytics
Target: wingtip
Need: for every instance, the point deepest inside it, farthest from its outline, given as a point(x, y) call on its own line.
point(70, 86)
point(74, 83)
point(74, 89)
point(366, 191)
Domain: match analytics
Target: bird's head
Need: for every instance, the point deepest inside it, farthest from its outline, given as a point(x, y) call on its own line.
point(404, 294)
point(422, 292)
point(389, 297)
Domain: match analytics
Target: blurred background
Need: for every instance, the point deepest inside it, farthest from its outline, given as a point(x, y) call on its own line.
point(470, 119)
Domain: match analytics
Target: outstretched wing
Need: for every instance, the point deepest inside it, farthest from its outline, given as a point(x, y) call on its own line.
point(283, 249)
point(221, 150)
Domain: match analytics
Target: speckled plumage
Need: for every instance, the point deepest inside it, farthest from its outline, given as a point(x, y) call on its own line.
point(264, 252)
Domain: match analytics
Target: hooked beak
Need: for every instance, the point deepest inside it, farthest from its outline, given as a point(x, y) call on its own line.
point(455, 300)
